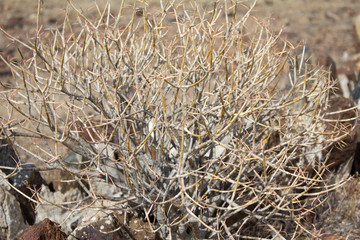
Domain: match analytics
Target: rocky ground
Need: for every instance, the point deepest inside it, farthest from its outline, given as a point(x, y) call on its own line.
point(328, 28)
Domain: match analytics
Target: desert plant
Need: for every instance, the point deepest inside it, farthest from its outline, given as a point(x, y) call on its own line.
point(184, 114)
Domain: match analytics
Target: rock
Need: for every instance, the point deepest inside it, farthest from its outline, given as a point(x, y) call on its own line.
point(356, 165)
point(137, 227)
point(22, 176)
point(16, 22)
point(101, 230)
point(332, 237)
point(92, 131)
point(341, 122)
point(11, 218)
point(341, 118)
point(27, 182)
point(19, 174)
point(46, 229)
point(343, 85)
point(340, 221)
point(73, 198)
point(50, 208)
point(60, 180)
point(63, 180)
point(8, 158)
point(115, 226)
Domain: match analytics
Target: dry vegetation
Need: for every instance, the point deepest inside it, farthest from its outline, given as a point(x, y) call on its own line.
point(183, 113)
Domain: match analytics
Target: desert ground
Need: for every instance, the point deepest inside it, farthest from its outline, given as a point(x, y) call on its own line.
point(327, 27)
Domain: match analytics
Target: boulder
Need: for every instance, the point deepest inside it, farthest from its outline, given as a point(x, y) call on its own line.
point(11, 218)
point(24, 177)
point(342, 122)
point(45, 229)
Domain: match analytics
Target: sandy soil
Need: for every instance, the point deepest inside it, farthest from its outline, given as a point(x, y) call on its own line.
point(325, 26)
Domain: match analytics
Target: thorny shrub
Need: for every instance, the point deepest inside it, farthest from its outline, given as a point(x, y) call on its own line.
point(181, 109)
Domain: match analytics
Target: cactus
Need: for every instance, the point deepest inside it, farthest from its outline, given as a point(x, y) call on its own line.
point(184, 114)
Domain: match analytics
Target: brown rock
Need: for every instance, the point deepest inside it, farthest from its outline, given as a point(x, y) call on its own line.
point(342, 123)
point(32, 183)
point(329, 64)
point(116, 226)
point(64, 180)
point(60, 180)
point(91, 130)
point(332, 237)
point(137, 227)
point(340, 221)
point(111, 228)
point(45, 229)
point(100, 231)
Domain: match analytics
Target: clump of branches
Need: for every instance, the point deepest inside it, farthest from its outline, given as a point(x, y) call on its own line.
point(183, 112)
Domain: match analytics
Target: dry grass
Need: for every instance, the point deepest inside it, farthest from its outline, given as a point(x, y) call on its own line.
point(184, 114)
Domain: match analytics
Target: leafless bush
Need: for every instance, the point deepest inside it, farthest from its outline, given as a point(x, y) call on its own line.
point(184, 114)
